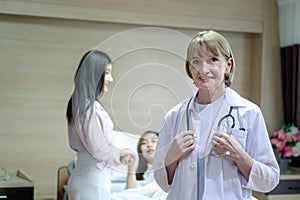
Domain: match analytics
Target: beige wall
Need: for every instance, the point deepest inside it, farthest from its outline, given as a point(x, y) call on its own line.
point(41, 42)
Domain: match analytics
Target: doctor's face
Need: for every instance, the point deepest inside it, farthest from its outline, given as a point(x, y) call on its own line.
point(208, 70)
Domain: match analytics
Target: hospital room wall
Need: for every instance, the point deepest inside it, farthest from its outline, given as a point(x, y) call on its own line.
point(41, 42)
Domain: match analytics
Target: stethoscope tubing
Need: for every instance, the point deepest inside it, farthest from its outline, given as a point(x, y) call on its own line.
point(220, 121)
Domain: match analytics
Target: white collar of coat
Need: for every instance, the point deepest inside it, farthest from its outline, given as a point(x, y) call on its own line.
point(234, 100)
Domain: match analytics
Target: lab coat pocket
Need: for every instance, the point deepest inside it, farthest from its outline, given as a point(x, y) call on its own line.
point(240, 136)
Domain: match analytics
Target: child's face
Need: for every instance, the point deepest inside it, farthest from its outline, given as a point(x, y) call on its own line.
point(148, 146)
point(208, 70)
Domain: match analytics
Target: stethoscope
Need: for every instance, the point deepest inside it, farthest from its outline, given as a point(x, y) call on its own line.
point(187, 114)
point(223, 119)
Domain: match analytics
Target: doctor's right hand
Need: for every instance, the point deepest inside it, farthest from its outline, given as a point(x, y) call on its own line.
point(182, 145)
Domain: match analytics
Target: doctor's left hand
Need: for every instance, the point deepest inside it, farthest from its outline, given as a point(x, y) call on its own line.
point(227, 146)
point(230, 148)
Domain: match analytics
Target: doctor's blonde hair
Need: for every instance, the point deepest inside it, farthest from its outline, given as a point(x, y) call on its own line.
point(214, 42)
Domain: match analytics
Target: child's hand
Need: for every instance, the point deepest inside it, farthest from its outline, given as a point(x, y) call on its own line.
point(127, 157)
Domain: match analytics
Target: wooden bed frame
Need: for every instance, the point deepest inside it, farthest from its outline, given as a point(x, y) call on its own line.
point(62, 180)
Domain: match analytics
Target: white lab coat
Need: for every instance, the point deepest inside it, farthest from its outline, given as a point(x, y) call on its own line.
point(222, 177)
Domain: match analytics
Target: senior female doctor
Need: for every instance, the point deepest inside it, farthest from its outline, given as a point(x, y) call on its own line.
point(214, 145)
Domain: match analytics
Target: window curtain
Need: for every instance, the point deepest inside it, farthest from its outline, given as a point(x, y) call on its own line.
point(290, 61)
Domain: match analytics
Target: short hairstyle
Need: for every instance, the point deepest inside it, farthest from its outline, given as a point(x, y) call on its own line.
point(215, 42)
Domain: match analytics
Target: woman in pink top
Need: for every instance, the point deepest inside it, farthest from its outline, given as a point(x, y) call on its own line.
point(90, 130)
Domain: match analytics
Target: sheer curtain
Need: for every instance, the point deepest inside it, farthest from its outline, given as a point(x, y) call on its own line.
point(289, 31)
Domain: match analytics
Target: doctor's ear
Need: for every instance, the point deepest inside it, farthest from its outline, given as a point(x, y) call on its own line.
point(229, 65)
point(187, 69)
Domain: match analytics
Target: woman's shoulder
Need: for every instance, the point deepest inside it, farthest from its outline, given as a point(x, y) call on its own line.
point(98, 110)
point(98, 106)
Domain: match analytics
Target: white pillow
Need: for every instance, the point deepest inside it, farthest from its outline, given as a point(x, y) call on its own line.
point(126, 140)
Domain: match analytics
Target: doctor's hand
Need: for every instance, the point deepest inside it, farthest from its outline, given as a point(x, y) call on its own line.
point(230, 148)
point(182, 145)
point(227, 146)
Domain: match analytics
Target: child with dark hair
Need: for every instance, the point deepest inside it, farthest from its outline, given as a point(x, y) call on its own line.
point(140, 183)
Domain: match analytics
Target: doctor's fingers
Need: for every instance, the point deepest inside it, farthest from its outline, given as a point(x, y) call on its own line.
point(233, 146)
point(221, 143)
point(185, 151)
point(178, 151)
point(187, 143)
point(222, 135)
point(215, 139)
point(182, 143)
point(186, 135)
point(230, 141)
point(218, 140)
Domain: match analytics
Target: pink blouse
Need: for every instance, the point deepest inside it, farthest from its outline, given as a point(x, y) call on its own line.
point(94, 136)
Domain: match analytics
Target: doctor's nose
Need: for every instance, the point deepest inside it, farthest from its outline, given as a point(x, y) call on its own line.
point(203, 68)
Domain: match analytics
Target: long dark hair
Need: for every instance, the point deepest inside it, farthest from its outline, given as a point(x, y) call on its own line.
point(142, 165)
point(87, 86)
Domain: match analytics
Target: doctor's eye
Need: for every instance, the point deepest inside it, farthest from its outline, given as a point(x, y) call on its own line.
point(194, 62)
point(212, 60)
